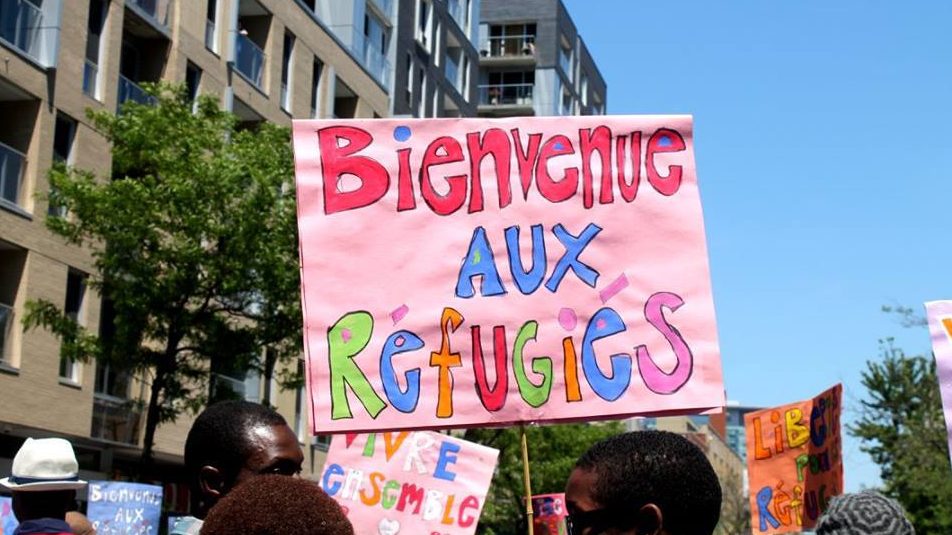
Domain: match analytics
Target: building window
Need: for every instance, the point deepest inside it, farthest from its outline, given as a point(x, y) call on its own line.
point(510, 40)
point(583, 89)
point(287, 59)
point(316, 69)
point(424, 22)
point(508, 88)
point(95, 24)
point(376, 42)
point(64, 134)
point(321, 443)
point(409, 80)
point(74, 308)
point(12, 264)
point(565, 56)
point(211, 26)
point(193, 78)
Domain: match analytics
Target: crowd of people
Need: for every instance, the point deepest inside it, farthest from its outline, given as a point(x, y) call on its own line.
point(239, 456)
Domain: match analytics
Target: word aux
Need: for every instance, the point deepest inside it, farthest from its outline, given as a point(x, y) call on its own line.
point(794, 461)
point(119, 508)
point(435, 482)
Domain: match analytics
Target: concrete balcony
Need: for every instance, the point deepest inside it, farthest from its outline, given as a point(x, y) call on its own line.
point(12, 164)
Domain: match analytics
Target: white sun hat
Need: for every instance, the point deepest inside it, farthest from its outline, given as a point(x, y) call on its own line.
point(44, 464)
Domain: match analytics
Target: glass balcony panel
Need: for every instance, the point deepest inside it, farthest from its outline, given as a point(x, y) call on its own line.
point(20, 24)
point(508, 46)
point(457, 10)
point(376, 63)
point(506, 94)
point(129, 90)
point(249, 59)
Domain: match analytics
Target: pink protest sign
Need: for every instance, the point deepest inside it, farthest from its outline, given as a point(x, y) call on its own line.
point(417, 482)
point(940, 329)
point(548, 514)
point(464, 272)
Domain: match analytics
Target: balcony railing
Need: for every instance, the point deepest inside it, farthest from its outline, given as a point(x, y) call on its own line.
point(376, 63)
point(6, 329)
point(115, 419)
point(385, 6)
point(12, 164)
point(457, 10)
point(506, 94)
point(20, 23)
point(249, 59)
point(129, 90)
point(508, 46)
point(90, 75)
point(157, 10)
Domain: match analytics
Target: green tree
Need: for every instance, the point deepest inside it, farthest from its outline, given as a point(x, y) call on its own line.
point(553, 450)
point(195, 246)
point(902, 428)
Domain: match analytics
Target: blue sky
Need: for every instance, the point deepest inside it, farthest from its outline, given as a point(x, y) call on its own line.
point(823, 135)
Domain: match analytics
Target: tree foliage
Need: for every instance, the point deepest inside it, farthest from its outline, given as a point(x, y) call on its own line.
point(195, 248)
point(902, 428)
point(553, 450)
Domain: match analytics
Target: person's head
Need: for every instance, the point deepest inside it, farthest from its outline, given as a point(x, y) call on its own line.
point(44, 479)
point(275, 505)
point(643, 483)
point(233, 441)
point(864, 513)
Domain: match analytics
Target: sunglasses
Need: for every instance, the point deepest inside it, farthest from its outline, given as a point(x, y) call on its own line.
point(597, 521)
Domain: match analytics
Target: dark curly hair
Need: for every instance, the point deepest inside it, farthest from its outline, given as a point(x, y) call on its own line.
point(277, 505)
point(635, 469)
point(219, 437)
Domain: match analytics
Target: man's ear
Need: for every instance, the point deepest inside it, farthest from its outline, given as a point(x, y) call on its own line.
point(650, 520)
point(211, 481)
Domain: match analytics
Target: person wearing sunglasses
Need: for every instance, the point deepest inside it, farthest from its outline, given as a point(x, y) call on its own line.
point(643, 483)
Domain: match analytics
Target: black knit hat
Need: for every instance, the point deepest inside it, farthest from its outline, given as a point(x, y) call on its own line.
point(864, 513)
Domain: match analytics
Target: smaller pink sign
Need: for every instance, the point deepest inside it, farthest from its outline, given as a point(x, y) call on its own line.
point(419, 483)
point(548, 514)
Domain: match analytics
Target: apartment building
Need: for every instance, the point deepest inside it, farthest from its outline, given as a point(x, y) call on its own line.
point(437, 58)
point(534, 62)
point(268, 60)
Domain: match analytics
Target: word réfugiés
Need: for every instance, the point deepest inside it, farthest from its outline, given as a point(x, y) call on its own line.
point(342, 153)
point(351, 334)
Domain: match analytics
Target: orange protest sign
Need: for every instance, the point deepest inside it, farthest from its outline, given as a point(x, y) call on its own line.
point(794, 462)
